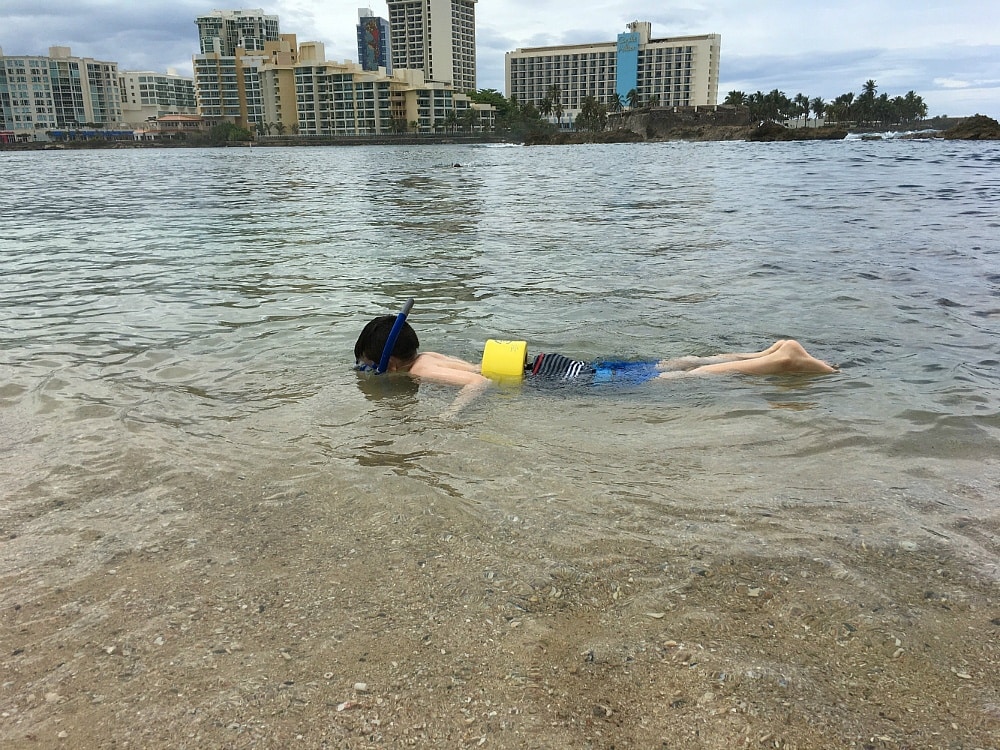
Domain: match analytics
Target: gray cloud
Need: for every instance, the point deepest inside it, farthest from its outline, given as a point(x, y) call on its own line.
point(945, 52)
point(938, 75)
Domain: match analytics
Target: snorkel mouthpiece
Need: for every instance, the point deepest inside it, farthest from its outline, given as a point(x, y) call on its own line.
point(390, 343)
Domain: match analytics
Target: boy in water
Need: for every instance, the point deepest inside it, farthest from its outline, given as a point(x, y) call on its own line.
point(782, 357)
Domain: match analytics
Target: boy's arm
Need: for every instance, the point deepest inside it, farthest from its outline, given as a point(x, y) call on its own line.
point(442, 369)
point(466, 396)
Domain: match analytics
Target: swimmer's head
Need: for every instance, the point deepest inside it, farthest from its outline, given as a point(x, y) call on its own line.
point(371, 342)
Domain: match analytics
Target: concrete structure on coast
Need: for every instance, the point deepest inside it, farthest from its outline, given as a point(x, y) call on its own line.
point(316, 97)
point(147, 95)
point(672, 71)
point(250, 74)
point(278, 84)
point(41, 94)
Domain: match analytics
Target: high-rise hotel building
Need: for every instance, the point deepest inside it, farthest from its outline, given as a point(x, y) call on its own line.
point(58, 92)
point(234, 43)
point(437, 37)
point(673, 71)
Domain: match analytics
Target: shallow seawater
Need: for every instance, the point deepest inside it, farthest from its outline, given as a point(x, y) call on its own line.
point(177, 313)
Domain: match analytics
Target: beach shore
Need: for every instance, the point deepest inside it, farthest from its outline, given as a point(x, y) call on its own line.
point(287, 617)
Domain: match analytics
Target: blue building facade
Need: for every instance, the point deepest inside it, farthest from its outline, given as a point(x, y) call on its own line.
point(627, 64)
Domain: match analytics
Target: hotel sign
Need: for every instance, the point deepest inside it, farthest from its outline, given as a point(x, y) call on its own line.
point(627, 63)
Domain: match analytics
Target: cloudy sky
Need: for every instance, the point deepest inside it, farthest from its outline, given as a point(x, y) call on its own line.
point(948, 52)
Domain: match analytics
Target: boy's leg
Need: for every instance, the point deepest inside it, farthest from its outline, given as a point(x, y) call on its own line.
point(690, 362)
point(789, 356)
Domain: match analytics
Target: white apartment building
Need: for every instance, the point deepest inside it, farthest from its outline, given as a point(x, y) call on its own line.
point(40, 94)
point(437, 37)
point(147, 95)
point(670, 71)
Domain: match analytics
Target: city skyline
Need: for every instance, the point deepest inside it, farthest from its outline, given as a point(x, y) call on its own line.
point(943, 51)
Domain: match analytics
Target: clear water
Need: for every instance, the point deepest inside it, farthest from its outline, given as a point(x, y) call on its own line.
point(169, 314)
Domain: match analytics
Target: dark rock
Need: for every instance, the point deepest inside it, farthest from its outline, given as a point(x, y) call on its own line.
point(975, 128)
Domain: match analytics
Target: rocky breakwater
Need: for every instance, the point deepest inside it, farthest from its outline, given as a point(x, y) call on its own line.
point(975, 128)
point(772, 131)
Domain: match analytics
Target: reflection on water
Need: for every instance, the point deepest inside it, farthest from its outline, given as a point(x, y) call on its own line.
point(203, 323)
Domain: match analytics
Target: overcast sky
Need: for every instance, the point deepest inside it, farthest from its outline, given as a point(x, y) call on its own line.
point(948, 52)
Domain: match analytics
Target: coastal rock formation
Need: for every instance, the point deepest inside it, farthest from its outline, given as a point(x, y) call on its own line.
point(772, 131)
point(975, 128)
point(560, 138)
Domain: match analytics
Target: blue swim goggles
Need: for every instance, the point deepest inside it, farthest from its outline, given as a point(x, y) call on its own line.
point(390, 342)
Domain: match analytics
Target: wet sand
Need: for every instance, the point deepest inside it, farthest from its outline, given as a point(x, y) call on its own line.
point(288, 616)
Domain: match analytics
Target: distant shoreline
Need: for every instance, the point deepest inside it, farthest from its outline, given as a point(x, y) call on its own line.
point(644, 130)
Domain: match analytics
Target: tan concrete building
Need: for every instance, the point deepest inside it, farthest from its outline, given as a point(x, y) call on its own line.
point(317, 97)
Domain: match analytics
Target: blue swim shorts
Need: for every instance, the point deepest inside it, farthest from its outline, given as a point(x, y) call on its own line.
point(625, 372)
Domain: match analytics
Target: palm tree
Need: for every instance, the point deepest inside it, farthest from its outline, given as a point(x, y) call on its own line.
point(802, 106)
point(736, 99)
point(632, 97)
point(545, 107)
point(470, 118)
point(818, 106)
point(558, 110)
point(554, 94)
point(593, 115)
point(913, 106)
point(866, 102)
point(654, 101)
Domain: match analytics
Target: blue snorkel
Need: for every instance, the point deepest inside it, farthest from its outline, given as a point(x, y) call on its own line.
point(390, 342)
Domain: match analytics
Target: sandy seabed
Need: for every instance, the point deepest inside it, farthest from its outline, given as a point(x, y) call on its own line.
point(291, 617)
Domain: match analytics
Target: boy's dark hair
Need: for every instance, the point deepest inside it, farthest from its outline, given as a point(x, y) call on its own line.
point(372, 340)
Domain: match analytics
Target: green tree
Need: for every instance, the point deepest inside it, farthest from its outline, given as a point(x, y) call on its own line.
point(554, 93)
point(912, 107)
point(470, 118)
point(818, 106)
point(802, 106)
point(864, 106)
point(632, 97)
point(736, 99)
point(503, 106)
point(227, 132)
point(593, 115)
